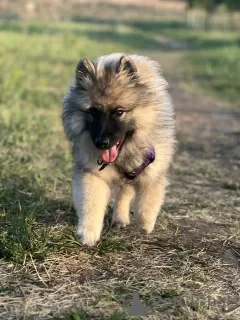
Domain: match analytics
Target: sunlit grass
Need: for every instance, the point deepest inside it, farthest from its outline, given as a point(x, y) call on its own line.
point(37, 63)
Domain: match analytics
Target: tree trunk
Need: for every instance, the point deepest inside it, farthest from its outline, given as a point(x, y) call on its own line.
point(207, 22)
point(231, 20)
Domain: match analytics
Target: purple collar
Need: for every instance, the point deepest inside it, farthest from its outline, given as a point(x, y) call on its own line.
point(150, 157)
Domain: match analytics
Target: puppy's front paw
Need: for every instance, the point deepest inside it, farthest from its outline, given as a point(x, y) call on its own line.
point(120, 221)
point(146, 225)
point(88, 236)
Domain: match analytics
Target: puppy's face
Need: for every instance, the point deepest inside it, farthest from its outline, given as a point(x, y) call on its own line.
point(108, 127)
point(107, 95)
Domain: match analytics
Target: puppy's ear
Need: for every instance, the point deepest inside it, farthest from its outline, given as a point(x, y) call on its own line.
point(127, 66)
point(85, 73)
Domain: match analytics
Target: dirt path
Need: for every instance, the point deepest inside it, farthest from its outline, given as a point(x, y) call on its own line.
point(207, 164)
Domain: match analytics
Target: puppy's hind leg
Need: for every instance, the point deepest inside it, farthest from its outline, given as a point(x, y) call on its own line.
point(90, 198)
point(122, 206)
point(149, 200)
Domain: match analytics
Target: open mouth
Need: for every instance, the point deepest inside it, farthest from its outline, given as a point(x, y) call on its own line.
point(111, 154)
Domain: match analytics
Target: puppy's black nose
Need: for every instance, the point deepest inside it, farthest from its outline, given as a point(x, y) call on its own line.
point(102, 143)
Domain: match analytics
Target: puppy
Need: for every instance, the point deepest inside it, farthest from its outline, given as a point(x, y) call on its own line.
point(120, 119)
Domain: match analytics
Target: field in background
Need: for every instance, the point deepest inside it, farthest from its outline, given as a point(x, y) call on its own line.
point(211, 64)
point(194, 252)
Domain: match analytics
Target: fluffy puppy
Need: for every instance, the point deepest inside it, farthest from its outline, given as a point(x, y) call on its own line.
point(120, 119)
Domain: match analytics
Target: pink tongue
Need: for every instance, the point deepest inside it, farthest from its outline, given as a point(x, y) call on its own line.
point(110, 155)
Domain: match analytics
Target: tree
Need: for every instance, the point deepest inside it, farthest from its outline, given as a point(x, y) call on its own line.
point(232, 6)
point(209, 6)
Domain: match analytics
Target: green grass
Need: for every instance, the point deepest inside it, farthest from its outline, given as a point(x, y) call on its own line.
point(37, 63)
point(211, 64)
point(214, 63)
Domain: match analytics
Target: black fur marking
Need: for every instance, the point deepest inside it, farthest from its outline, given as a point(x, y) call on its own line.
point(125, 64)
point(108, 126)
point(85, 71)
point(129, 67)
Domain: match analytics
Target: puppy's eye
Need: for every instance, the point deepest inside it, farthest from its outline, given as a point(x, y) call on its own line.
point(119, 113)
point(94, 112)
